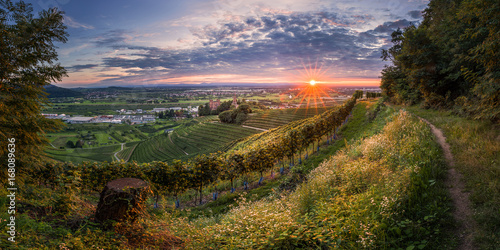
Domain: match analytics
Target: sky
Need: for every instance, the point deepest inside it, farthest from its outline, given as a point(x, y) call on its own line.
point(148, 43)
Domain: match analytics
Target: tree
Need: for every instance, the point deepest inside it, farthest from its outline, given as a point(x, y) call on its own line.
point(449, 60)
point(358, 94)
point(70, 144)
point(27, 64)
point(79, 144)
point(204, 170)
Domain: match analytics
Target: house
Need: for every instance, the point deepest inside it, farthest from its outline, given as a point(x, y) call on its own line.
point(148, 118)
point(214, 104)
point(157, 110)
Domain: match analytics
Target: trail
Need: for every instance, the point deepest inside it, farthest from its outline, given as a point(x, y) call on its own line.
point(176, 145)
point(462, 208)
point(116, 157)
point(261, 129)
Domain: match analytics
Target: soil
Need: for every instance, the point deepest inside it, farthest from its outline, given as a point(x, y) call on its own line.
point(462, 211)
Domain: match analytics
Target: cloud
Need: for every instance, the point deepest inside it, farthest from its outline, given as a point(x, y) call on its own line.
point(74, 24)
point(415, 14)
point(389, 27)
point(257, 45)
point(80, 67)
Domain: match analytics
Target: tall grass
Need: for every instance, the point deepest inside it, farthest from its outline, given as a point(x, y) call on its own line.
point(475, 146)
point(380, 192)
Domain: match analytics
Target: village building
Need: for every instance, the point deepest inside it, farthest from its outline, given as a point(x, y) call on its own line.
point(235, 102)
point(81, 119)
point(214, 104)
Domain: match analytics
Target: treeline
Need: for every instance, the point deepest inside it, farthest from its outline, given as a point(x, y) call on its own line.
point(450, 60)
point(177, 177)
point(373, 94)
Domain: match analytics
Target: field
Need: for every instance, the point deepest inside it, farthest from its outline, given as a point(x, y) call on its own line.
point(100, 141)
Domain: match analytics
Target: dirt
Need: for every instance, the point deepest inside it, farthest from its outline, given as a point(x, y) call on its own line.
point(462, 212)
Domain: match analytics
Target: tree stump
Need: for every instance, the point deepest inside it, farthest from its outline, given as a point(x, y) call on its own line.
point(122, 200)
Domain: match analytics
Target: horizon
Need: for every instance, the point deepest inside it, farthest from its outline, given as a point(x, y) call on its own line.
point(117, 43)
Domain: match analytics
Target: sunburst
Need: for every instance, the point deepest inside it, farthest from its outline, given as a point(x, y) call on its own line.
point(313, 79)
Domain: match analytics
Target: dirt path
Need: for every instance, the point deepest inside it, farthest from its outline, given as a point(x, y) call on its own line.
point(119, 152)
point(462, 208)
point(261, 129)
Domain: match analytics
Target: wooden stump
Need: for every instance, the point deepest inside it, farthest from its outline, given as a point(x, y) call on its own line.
point(122, 200)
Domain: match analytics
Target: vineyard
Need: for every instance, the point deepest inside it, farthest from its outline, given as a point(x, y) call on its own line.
point(278, 117)
point(79, 155)
point(188, 140)
point(127, 151)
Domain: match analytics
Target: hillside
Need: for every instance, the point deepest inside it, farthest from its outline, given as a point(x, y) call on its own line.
point(371, 186)
point(380, 183)
point(55, 92)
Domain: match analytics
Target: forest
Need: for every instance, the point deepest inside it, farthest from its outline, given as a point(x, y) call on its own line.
point(448, 61)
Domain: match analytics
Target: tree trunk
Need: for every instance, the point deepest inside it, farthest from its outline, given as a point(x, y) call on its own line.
point(201, 189)
point(122, 200)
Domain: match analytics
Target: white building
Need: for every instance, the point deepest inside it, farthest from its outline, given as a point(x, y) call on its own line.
point(81, 119)
point(160, 109)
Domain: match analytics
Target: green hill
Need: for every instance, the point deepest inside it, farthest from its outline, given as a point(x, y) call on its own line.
point(54, 92)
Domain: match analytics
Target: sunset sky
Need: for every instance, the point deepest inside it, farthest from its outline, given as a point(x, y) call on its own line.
point(125, 42)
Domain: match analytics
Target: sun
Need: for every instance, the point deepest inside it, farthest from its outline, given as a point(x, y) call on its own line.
point(312, 82)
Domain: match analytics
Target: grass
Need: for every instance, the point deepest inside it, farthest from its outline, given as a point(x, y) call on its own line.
point(475, 146)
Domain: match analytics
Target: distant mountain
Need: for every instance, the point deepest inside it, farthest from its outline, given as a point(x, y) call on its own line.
point(55, 92)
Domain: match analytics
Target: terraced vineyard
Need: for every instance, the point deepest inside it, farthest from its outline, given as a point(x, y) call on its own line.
point(157, 148)
point(278, 117)
point(209, 137)
point(190, 140)
point(79, 155)
point(127, 151)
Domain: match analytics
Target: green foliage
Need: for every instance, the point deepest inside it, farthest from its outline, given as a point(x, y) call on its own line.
point(27, 64)
point(236, 116)
point(450, 60)
point(358, 94)
point(373, 94)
